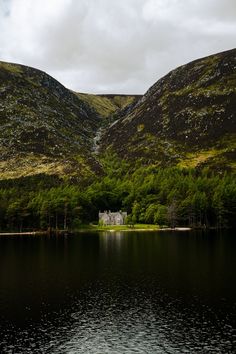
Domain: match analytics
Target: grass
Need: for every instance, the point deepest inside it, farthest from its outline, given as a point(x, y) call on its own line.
point(135, 227)
point(106, 106)
point(13, 68)
point(194, 159)
point(102, 105)
point(30, 165)
point(122, 101)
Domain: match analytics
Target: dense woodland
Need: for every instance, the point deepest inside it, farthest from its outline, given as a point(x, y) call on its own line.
point(170, 196)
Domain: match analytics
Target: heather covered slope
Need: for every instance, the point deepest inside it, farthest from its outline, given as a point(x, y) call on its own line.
point(188, 118)
point(45, 128)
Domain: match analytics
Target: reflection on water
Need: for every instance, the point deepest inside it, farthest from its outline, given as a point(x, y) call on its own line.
point(107, 239)
point(118, 293)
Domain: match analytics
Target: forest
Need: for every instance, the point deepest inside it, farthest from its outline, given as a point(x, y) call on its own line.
point(150, 194)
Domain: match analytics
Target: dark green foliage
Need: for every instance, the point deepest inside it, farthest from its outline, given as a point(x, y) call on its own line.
point(168, 196)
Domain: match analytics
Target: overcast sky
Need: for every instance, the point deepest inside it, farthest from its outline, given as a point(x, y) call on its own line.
point(116, 46)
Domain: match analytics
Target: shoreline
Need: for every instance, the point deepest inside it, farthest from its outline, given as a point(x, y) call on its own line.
point(112, 229)
point(30, 233)
point(83, 230)
point(36, 233)
point(133, 229)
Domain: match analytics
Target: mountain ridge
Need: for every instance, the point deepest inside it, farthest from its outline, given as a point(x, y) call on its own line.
point(185, 119)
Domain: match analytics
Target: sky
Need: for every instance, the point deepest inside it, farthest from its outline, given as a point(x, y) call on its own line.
point(113, 46)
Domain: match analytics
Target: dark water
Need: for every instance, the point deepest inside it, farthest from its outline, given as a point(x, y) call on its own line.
point(118, 293)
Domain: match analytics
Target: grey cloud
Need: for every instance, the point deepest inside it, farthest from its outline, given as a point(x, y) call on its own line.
point(5, 7)
point(116, 46)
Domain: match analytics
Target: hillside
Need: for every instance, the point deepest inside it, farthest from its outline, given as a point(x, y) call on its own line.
point(187, 118)
point(107, 105)
point(45, 128)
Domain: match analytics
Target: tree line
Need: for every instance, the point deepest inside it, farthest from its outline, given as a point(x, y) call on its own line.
point(153, 195)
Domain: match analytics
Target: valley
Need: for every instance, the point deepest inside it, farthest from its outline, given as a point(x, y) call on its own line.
point(167, 157)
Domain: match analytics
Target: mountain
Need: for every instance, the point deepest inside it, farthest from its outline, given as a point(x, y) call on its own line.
point(187, 118)
point(45, 128)
point(66, 155)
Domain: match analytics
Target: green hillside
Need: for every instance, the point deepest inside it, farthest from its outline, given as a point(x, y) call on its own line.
point(106, 105)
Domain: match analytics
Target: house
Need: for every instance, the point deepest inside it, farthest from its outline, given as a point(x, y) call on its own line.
point(112, 218)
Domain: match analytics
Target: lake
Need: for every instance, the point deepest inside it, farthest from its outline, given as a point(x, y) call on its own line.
point(136, 292)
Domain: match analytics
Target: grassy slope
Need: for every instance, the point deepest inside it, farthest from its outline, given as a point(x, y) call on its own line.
point(106, 105)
